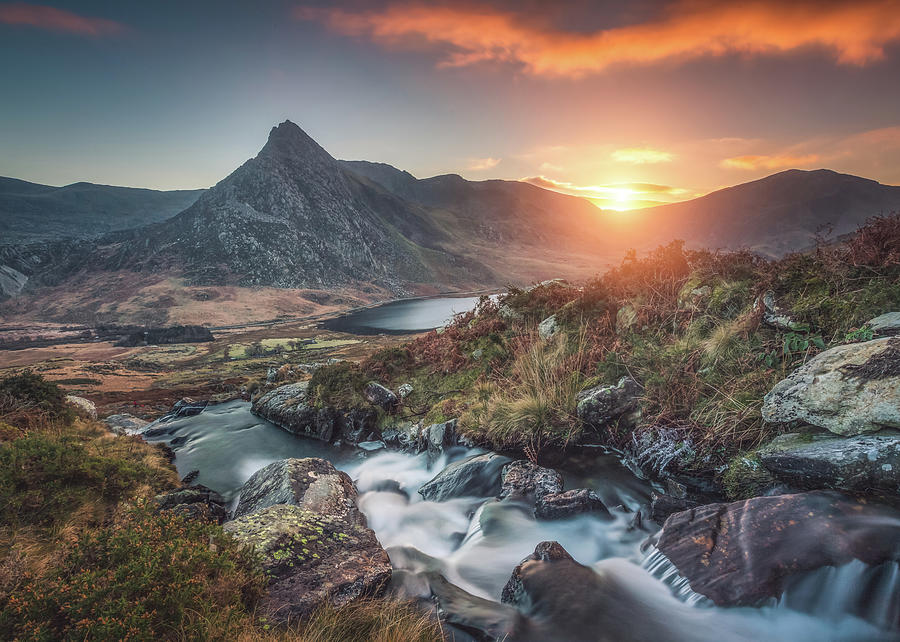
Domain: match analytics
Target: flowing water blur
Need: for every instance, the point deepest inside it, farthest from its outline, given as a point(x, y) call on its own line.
point(476, 542)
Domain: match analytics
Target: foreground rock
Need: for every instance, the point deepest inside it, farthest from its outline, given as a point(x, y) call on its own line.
point(526, 480)
point(848, 390)
point(195, 502)
point(858, 464)
point(741, 553)
point(476, 476)
point(378, 395)
point(84, 406)
point(124, 423)
point(311, 484)
point(886, 325)
point(569, 504)
point(598, 407)
point(439, 437)
point(312, 559)
point(286, 407)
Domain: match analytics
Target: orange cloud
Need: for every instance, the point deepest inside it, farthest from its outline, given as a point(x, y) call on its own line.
point(480, 164)
point(852, 32)
point(42, 17)
point(781, 161)
point(641, 156)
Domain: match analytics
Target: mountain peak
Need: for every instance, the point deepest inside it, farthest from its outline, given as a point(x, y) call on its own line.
point(288, 139)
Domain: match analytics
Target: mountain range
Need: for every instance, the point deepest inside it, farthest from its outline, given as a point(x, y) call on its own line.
point(295, 217)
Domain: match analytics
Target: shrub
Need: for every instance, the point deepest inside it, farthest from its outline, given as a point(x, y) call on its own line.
point(29, 391)
point(148, 576)
point(339, 385)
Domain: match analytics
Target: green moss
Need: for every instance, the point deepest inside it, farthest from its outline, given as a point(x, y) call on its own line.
point(746, 477)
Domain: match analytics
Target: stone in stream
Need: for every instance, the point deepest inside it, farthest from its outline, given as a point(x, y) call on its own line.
point(849, 390)
point(475, 476)
point(312, 558)
point(312, 484)
point(569, 504)
point(741, 553)
point(598, 407)
point(439, 437)
point(525, 479)
point(859, 464)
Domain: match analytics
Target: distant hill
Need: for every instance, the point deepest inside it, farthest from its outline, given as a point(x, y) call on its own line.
point(773, 216)
point(31, 212)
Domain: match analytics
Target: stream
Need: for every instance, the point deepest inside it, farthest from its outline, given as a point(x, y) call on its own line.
point(476, 542)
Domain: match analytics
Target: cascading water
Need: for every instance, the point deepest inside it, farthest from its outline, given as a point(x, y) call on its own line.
point(476, 542)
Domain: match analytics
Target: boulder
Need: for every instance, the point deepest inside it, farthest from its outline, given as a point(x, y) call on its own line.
point(742, 553)
point(187, 407)
point(378, 395)
point(548, 327)
point(569, 504)
point(859, 464)
point(887, 324)
point(475, 476)
point(600, 406)
point(312, 484)
point(524, 479)
point(849, 390)
point(312, 559)
point(404, 390)
point(662, 506)
point(405, 436)
point(82, 405)
point(438, 437)
point(124, 423)
point(194, 502)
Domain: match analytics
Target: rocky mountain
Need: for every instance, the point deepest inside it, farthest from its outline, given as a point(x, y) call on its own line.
point(30, 212)
point(774, 215)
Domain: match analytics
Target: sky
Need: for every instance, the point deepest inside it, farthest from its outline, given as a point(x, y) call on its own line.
point(627, 103)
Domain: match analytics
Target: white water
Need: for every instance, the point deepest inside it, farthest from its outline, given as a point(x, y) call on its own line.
point(476, 542)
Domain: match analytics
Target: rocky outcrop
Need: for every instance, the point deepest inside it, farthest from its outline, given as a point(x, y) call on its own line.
point(548, 327)
point(523, 479)
point(886, 325)
point(124, 423)
point(848, 390)
point(598, 407)
point(378, 395)
point(195, 502)
point(569, 504)
point(82, 405)
point(286, 407)
point(161, 336)
point(742, 553)
point(475, 476)
point(312, 559)
point(858, 464)
point(312, 484)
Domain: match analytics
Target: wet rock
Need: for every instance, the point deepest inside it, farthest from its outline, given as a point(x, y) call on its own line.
point(548, 327)
point(887, 324)
point(482, 619)
point(525, 479)
point(662, 506)
point(312, 484)
point(569, 504)
point(286, 407)
point(859, 464)
point(439, 437)
point(741, 553)
point(187, 407)
point(598, 407)
point(190, 477)
point(194, 502)
point(82, 405)
point(124, 423)
point(848, 390)
point(312, 559)
point(475, 476)
point(378, 395)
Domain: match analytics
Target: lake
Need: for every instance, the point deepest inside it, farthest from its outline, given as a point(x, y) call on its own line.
point(402, 317)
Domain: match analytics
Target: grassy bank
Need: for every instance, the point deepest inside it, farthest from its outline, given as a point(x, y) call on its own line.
point(686, 325)
point(85, 554)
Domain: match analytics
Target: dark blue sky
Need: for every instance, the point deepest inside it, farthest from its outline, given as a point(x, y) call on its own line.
point(591, 97)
